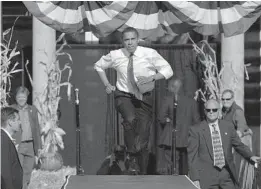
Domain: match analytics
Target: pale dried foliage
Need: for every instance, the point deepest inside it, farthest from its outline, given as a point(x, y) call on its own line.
point(8, 68)
point(48, 101)
point(213, 86)
point(50, 179)
point(211, 77)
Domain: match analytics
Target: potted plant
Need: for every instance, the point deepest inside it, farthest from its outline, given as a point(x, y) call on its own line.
point(47, 105)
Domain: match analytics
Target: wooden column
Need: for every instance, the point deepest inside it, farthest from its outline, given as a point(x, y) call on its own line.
point(232, 57)
point(43, 51)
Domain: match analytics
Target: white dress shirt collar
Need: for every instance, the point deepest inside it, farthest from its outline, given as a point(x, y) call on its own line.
point(212, 128)
point(213, 123)
point(137, 52)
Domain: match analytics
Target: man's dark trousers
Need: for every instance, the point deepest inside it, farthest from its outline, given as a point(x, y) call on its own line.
point(137, 120)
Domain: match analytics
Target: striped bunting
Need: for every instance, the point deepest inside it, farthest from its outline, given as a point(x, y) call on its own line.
point(152, 19)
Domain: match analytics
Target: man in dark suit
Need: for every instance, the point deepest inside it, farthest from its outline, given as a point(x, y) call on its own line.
point(210, 151)
point(187, 114)
point(11, 169)
point(29, 138)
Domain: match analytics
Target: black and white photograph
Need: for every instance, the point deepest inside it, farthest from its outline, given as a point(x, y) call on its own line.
point(130, 94)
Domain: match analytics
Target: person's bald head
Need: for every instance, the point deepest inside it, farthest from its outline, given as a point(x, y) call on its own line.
point(211, 110)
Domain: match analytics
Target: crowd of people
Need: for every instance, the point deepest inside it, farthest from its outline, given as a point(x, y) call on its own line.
point(203, 147)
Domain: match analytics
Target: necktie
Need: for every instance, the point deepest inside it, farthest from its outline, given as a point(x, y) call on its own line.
point(131, 77)
point(219, 159)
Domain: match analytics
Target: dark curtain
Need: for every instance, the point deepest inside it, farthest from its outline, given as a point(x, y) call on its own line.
point(100, 124)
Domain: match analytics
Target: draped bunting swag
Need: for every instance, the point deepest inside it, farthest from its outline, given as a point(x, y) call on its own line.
point(152, 19)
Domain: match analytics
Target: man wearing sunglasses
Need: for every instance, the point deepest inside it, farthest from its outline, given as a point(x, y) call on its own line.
point(234, 113)
point(210, 151)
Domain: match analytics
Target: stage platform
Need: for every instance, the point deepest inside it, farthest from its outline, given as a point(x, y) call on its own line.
point(128, 182)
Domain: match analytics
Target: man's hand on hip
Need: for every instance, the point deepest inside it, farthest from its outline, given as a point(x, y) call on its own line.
point(110, 88)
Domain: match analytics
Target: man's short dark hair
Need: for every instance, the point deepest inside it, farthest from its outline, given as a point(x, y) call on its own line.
point(229, 91)
point(7, 113)
point(22, 89)
point(129, 29)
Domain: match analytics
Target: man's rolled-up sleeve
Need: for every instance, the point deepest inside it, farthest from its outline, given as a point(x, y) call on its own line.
point(161, 65)
point(104, 63)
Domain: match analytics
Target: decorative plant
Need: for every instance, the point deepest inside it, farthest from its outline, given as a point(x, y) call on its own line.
point(212, 87)
point(48, 102)
point(211, 77)
point(7, 66)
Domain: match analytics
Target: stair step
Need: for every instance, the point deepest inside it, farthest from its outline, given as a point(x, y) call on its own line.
point(252, 45)
point(252, 91)
point(252, 114)
point(252, 85)
point(253, 120)
point(253, 52)
point(254, 104)
point(253, 78)
point(251, 111)
point(253, 74)
point(252, 107)
point(252, 36)
point(252, 101)
point(255, 61)
point(253, 69)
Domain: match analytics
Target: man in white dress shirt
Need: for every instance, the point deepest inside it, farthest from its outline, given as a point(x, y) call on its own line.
point(137, 70)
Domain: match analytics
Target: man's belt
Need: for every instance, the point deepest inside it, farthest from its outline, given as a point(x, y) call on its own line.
point(132, 95)
point(26, 141)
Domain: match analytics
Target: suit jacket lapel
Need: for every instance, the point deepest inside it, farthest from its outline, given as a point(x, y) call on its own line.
point(207, 136)
point(12, 146)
